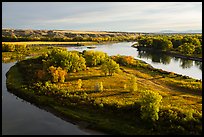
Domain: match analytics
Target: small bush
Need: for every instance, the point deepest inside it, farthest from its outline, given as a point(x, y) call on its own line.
point(125, 86)
point(79, 83)
point(133, 84)
point(99, 87)
point(150, 103)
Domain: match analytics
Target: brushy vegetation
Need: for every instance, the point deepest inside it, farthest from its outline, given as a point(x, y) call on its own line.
point(18, 51)
point(138, 99)
point(190, 45)
point(150, 104)
point(68, 36)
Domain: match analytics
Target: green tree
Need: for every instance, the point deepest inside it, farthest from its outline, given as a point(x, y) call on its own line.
point(176, 42)
point(162, 44)
point(94, 58)
point(110, 67)
point(71, 61)
point(186, 48)
point(150, 103)
point(196, 42)
point(198, 50)
point(142, 41)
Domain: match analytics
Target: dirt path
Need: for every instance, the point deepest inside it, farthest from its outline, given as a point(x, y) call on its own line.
point(171, 95)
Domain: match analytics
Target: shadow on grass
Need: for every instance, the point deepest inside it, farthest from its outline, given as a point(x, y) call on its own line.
point(85, 77)
point(82, 92)
point(184, 90)
point(115, 94)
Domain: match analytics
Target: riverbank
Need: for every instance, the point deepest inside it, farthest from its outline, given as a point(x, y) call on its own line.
point(171, 53)
point(116, 110)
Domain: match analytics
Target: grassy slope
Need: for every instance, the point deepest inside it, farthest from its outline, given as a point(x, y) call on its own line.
point(114, 91)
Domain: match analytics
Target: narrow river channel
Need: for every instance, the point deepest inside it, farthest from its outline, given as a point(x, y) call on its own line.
point(19, 117)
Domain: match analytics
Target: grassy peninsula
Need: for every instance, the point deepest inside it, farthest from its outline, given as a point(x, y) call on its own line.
point(114, 94)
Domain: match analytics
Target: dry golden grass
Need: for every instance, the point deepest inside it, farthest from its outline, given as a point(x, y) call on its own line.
point(82, 32)
point(114, 92)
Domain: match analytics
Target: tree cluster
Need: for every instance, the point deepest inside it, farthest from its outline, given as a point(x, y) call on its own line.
point(57, 63)
point(186, 44)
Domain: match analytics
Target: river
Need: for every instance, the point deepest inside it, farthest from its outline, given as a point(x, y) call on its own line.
point(19, 117)
point(161, 61)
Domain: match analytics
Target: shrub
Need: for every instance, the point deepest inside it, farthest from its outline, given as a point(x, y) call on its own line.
point(99, 87)
point(133, 84)
point(189, 115)
point(40, 74)
point(150, 103)
point(125, 86)
point(79, 83)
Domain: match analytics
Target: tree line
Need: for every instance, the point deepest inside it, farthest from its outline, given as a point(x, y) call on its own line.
point(127, 37)
point(185, 44)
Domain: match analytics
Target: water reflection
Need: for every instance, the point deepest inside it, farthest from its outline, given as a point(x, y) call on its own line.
point(176, 59)
point(166, 59)
point(186, 63)
point(198, 64)
point(155, 57)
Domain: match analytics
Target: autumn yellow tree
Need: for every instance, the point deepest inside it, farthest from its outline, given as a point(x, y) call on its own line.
point(57, 74)
point(62, 73)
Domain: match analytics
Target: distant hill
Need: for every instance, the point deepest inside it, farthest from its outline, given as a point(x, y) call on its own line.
point(61, 33)
point(76, 35)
